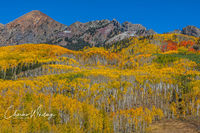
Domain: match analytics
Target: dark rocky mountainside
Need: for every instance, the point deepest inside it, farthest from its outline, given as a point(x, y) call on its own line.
point(98, 33)
point(36, 27)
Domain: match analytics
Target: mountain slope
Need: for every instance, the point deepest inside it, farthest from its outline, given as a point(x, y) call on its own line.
point(137, 89)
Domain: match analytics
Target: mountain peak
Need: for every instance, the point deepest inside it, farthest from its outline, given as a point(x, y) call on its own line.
point(33, 27)
point(35, 13)
point(34, 17)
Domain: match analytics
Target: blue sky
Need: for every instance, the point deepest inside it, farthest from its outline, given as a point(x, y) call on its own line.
point(159, 15)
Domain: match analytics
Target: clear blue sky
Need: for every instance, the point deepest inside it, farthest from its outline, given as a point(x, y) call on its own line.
point(159, 15)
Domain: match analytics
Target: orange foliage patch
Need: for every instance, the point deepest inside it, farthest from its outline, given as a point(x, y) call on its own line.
point(169, 46)
point(174, 46)
point(186, 44)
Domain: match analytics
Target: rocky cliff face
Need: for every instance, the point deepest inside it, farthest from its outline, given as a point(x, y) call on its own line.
point(93, 33)
point(36, 27)
point(136, 29)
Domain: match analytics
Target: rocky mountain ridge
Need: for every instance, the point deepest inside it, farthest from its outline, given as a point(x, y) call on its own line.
point(37, 27)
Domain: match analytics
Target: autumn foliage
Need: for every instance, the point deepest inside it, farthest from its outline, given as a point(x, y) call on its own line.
point(98, 89)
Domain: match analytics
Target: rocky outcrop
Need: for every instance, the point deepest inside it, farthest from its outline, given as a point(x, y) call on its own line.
point(1, 26)
point(135, 30)
point(120, 37)
point(127, 26)
point(175, 31)
point(1, 34)
point(150, 32)
point(191, 31)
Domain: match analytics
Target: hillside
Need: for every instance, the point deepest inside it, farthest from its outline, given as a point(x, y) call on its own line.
point(126, 87)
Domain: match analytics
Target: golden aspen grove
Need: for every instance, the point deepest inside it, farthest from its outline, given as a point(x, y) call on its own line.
point(124, 87)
